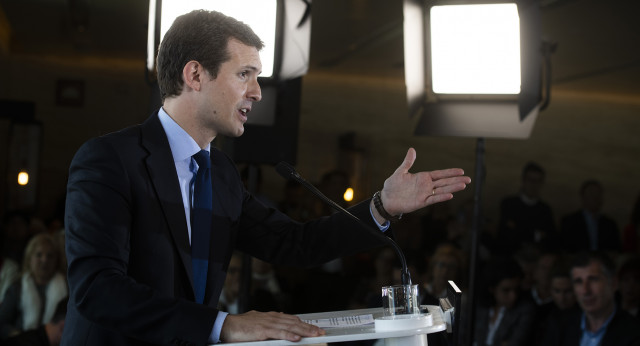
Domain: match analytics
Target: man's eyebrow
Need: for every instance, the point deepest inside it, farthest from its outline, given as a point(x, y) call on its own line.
point(250, 67)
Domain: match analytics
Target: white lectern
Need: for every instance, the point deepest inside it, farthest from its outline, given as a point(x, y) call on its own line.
point(364, 332)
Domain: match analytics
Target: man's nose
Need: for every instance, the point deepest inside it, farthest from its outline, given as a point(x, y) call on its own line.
point(254, 92)
point(584, 288)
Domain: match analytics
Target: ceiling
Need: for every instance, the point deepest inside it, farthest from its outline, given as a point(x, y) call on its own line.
point(598, 48)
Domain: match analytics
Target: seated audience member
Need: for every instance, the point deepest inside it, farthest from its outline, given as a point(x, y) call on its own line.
point(527, 257)
point(629, 286)
point(502, 318)
point(49, 334)
point(368, 293)
point(540, 292)
point(31, 301)
point(447, 263)
point(563, 299)
point(631, 232)
point(561, 288)
point(589, 229)
point(541, 287)
point(9, 272)
point(600, 322)
point(525, 219)
point(259, 299)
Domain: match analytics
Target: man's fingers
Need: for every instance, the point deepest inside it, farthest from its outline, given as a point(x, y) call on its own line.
point(256, 326)
point(441, 197)
point(304, 330)
point(447, 173)
point(409, 159)
point(450, 188)
point(291, 328)
point(451, 181)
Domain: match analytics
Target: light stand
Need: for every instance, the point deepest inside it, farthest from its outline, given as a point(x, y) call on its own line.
point(479, 176)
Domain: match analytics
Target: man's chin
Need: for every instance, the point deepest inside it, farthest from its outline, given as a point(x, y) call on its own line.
point(234, 133)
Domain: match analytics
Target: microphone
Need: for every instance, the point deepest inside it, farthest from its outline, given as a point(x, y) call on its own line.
point(288, 172)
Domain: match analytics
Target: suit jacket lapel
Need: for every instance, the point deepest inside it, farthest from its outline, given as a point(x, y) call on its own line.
point(220, 189)
point(164, 178)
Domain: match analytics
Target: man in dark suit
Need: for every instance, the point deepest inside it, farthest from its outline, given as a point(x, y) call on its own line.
point(600, 322)
point(132, 208)
point(587, 228)
point(525, 219)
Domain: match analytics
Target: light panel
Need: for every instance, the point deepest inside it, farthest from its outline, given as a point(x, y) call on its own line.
point(260, 15)
point(475, 49)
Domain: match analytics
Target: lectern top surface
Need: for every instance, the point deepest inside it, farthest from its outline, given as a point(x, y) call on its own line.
point(353, 333)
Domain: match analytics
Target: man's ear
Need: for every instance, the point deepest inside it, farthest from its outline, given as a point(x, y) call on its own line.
point(193, 74)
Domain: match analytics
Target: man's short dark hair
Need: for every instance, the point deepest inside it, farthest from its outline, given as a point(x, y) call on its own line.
point(201, 36)
point(587, 184)
point(532, 167)
point(494, 271)
point(585, 258)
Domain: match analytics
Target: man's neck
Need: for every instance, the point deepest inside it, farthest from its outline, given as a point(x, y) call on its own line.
point(183, 114)
point(530, 201)
point(593, 213)
point(541, 295)
point(595, 321)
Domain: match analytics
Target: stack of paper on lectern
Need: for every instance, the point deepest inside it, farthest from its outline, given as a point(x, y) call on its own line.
point(343, 322)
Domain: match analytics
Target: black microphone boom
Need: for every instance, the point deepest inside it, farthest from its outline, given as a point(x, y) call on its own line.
point(288, 172)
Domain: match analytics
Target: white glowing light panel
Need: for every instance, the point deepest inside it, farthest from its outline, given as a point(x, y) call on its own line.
point(475, 49)
point(260, 15)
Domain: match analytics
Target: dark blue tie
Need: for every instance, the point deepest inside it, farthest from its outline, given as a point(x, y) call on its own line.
point(201, 215)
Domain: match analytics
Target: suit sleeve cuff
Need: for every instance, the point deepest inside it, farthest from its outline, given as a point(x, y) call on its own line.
point(214, 337)
point(382, 227)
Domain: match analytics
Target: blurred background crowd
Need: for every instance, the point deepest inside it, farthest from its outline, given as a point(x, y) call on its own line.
point(526, 265)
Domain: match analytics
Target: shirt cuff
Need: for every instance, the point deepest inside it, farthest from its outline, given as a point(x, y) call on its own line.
point(382, 227)
point(214, 337)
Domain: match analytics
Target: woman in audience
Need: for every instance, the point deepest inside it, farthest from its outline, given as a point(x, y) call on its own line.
point(31, 301)
point(446, 264)
point(9, 272)
point(629, 286)
point(502, 318)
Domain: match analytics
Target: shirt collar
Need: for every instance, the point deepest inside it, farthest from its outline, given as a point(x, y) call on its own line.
point(183, 146)
point(536, 297)
point(602, 329)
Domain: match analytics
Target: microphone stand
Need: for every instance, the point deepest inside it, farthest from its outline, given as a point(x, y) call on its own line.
point(288, 172)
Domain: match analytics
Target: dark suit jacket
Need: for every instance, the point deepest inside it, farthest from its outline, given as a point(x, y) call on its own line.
point(130, 275)
point(519, 222)
point(515, 328)
point(623, 330)
point(575, 236)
